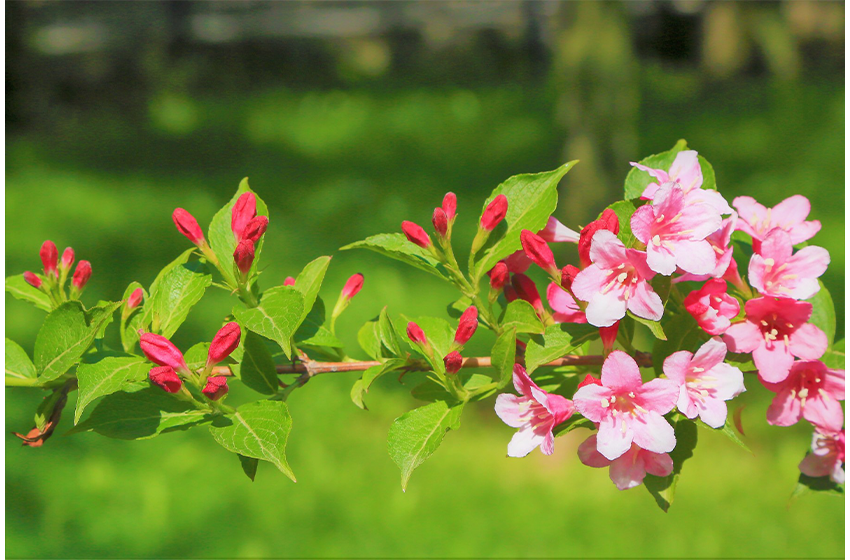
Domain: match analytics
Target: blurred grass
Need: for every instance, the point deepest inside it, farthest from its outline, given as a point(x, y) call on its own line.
point(334, 167)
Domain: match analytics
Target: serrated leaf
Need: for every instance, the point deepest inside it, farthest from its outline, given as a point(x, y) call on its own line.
point(277, 317)
point(397, 246)
point(370, 340)
point(310, 281)
point(102, 314)
point(18, 287)
point(520, 316)
point(140, 413)
point(105, 377)
point(823, 312)
point(259, 430)
point(557, 341)
point(357, 393)
point(654, 326)
point(834, 357)
point(389, 335)
point(18, 363)
point(196, 356)
point(503, 356)
point(637, 180)
point(175, 295)
point(439, 332)
point(624, 210)
point(257, 368)
point(415, 435)
point(663, 489)
point(249, 466)
point(532, 198)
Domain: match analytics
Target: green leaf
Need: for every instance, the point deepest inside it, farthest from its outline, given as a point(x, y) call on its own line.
point(18, 363)
point(221, 237)
point(557, 341)
point(663, 489)
point(503, 356)
point(276, 317)
point(685, 334)
point(709, 181)
point(654, 326)
point(532, 198)
point(397, 246)
point(389, 335)
point(573, 423)
point(637, 180)
point(823, 312)
point(357, 393)
point(257, 367)
point(249, 466)
point(140, 413)
point(439, 333)
point(520, 315)
point(370, 340)
point(362, 385)
point(105, 377)
point(309, 282)
point(259, 430)
point(102, 314)
point(457, 307)
point(18, 287)
point(196, 356)
point(834, 357)
point(823, 484)
point(65, 336)
point(130, 329)
point(312, 331)
point(624, 210)
point(415, 435)
point(431, 390)
point(174, 296)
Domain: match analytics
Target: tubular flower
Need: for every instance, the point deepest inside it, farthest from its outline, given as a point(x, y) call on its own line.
point(216, 387)
point(32, 279)
point(556, 232)
point(687, 174)
point(704, 382)
point(629, 469)
point(440, 222)
point(538, 251)
point(450, 206)
point(565, 308)
point(67, 259)
point(160, 350)
point(255, 229)
point(789, 215)
point(49, 257)
point(466, 326)
point(225, 341)
point(243, 212)
point(535, 412)
point(775, 271)
point(628, 410)
point(617, 280)
point(675, 233)
point(775, 330)
point(608, 335)
point(415, 234)
point(453, 362)
point(527, 290)
point(243, 256)
point(352, 286)
point(607, 220)
point(721, 243)
point(494, 213)
point(827, 456)
point(712, 307)
point(188, 226)
point(811, 391)
point(165, 378)
point(81, 275)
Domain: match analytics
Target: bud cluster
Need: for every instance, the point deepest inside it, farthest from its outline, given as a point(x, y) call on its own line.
point(55, 274)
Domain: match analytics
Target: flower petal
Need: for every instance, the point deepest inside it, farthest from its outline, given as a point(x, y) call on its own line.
point(590, 456)
point(824, 412)
point(603, 310)
point(524, 442)
point(614, 437)
point(645, 303)
point(784, 410)
point(808, 342)
point(620, 373)
point(653, 433)
point(627, 471)
point(509, 410)
point(773, 365)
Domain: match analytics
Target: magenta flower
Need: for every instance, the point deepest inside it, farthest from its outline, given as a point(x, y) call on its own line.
point(704, 382)
point(617, 280)
point(565, 308)
point(811, 391)
point(687, 174)
point(535, 412)
point(628, 410)
point(712, 307)
point(775, 271)
point(675, 232)
point(629, 469)
point(789, 215)
point(826, 458)
point(775, 331)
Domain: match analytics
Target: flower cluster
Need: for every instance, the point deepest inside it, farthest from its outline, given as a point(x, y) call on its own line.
point(55, 274)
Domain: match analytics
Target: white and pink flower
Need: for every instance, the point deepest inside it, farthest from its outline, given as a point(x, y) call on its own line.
point(789, 215)
point(629, 469)
point(776, 271)
point(826, 458)
point(811, 391)
point(686, 172)
point(712, 307)
point(565, 308)
point(721, 243)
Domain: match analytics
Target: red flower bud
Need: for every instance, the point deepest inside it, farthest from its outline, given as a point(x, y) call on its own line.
point(243, 256)
point(527, 290)
point(81, 275)
point(165, 378)
point(450, 205)
point(188, 226)
point(498, 275)
point(494, 213)
point(453, 362)
point(216, 387)
point(290, 281)
point(160, 350)
point(538, 251)
point(32, 279)
point(416, 234)
point(440, 221)
point(609, 336)
point(467, 325)
point(353, 286)
point(243, 212)
point(224, 342)
point(416, 334)
point(67, 258)
point(255, 229)
point(135, 298)
point(589, 380)
point(568, 274)
point(510, 293)
point(49, 257)
point(608, 220)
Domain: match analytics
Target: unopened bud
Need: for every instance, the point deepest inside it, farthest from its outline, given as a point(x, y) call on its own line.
point(352, 286)
point(498, 275)
point(32, 279)
point(416, 334)
point(527, 290)
point(160, 350)
point(224, 342)
point(450, 205)
point(494, 213)
point(81, 275)
point(216, 387)
point(243, 256)
point(609, 336)
point(440, 221)
point(538, 251)
point(453, 362)
point(188, 226)
point(510, 293)
point(589, 380)
point(568, 274)
point(255, 229)
point(135, 298)
point(243, 212)
point(67, 259)
point(166, 379)
point(467, 325)
point(416, 234)
point(49, 257)
point(290, 281)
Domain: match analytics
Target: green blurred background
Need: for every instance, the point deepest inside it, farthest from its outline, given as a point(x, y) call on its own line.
point(348, 118)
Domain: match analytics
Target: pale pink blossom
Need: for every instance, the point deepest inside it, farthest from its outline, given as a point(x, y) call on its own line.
point(617, 280)
point(675, 233)
point(789, 215)
point(704, 382)
point(721, 244)
point(776, 330)
point(554, 232)
point(628, 410)
point(565, 308)
point(535, 412)
point(775, 271)
point(826, 458)
point(629, 469)
point(811, 391)
point(686, 172)
point(712, 307)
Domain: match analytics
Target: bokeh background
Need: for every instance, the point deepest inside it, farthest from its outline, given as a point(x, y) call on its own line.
point(348, 118)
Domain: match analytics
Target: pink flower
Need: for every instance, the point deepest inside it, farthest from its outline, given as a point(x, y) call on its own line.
point(712, 307)
point(67, 259)
point(352, 286)
point(629, 469)
point(165, 378)
point(628, 410)
point(535, 412)
point(161, 351)
point(243, 256)
point(215, 388)
point(607, 220)
point(254, 229)
point(290, 281)
point(721, 243)
point(494, 213)
point(617, 280)
point(811, 391)
point(188, 226)
point(453, 362)
point(774, 271)
point(704, 382)
point(789, 215)
point(243, 211)
point(687, 174)
point(775, 331)
point(81, 275)
point(675, 233)
point(440, 222)
point(565, 308)
point(49, 257)
point(556, 232)
point(32, 279)
point(498, 275)
point(225, 341)
point(527, 290)
point(135, 298)
point(450, 205)
point(416, 334)
point(826, 458)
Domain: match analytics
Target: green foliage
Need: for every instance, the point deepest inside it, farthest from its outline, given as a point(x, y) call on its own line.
point(174, 295)
point(18, 287)
point(105, 377)
point(503, 356)
point(624, 210)
point(362, 385)
point(520, 315)
point(663, 489)
point(637, 180)
point(257, 368)
point(130, 329)
point(310, 281)
point(823, 312)
point(834, 357)
point(820, 484)
point(18, 363)
point(277, 317)
point(654, 326)
point(249, 465)
point(557, 341)
point(397, 246)
point(439, 333)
